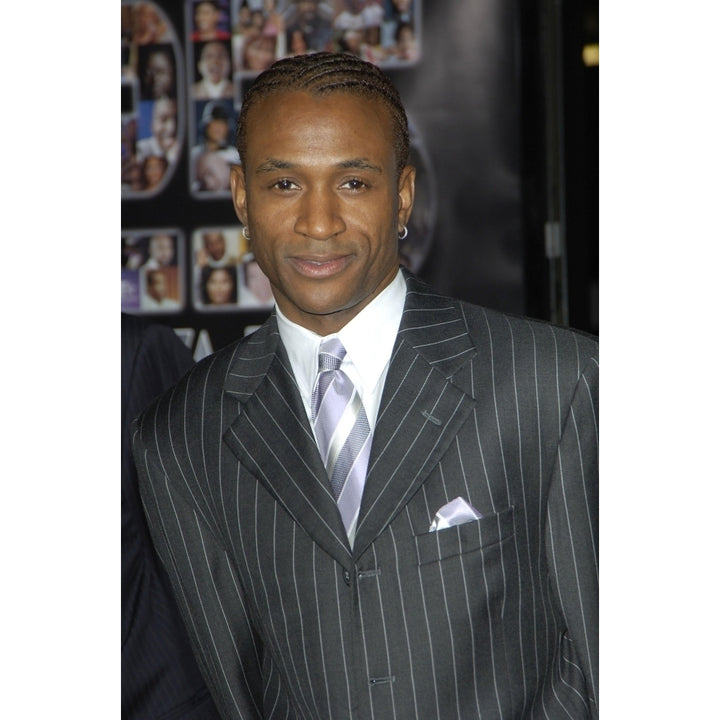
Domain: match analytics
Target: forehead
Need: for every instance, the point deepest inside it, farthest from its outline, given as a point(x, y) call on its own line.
point(302, 123)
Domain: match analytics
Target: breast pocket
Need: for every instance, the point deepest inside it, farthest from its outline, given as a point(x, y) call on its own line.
point(467, 537)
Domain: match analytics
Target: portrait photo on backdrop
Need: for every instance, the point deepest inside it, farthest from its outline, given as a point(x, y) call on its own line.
point(383, 502)
point(153, 267)
point(153, 94)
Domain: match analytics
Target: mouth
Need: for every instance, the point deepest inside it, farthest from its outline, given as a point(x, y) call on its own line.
point(320, 267)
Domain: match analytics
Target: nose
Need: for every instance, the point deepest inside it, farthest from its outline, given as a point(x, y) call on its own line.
point(319, 217)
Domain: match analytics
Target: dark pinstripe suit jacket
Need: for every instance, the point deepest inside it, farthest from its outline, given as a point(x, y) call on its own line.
point(496, 618)
point(160, 678)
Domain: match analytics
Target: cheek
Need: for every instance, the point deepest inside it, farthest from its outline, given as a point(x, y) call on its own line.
point(269, 260)
point(264, 259)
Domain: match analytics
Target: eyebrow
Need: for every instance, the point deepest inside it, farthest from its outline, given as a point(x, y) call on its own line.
point(274, 164)
point(360, 164)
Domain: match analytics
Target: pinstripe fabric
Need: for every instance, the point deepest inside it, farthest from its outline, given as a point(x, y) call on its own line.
point(160, 678)
point(495, 619)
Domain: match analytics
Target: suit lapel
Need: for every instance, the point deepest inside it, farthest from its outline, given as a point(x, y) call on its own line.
point(272, 439)
point(421, 410)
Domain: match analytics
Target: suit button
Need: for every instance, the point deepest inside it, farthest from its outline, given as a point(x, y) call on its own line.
point(346, 577)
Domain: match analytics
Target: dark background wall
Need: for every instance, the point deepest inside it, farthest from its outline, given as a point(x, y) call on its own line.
point(504, 112)
point(559, 42)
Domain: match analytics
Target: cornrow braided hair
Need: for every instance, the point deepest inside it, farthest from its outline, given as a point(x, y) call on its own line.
point(323, 73)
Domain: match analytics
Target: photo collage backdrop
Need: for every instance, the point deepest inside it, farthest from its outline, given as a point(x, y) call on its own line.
point(182, 89)
point(185, 69)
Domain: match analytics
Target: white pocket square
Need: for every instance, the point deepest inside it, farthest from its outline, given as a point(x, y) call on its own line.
point(456, 512)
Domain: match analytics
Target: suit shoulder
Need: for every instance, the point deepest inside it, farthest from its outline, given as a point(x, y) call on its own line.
point(496, 336)
point(530, 344)
point(496, 321)
point(153, 358)
point(200, 390)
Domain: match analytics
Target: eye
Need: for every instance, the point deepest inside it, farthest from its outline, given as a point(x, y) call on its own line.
point(354, 184)
point(284, 184)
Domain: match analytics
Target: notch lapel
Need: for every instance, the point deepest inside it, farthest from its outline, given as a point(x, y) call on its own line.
point(421, 410)
point(271, 437)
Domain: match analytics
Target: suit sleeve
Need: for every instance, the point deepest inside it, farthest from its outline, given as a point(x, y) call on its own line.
point(205, 584)
point(572, 539)
point(159, 675)
point(153, 359)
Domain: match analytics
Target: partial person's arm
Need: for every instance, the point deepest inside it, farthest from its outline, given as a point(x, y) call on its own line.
point(572, 540)
point(160, 677)
point(205, 583)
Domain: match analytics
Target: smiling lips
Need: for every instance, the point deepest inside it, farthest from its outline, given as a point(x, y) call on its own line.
point(320, 267)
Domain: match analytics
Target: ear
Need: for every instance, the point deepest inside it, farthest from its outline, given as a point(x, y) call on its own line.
point(406, 194)
point(239, 194)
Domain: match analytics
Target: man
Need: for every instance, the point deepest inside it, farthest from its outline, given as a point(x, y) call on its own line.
point(214, 251)
point(455, 576)
point(156, 296)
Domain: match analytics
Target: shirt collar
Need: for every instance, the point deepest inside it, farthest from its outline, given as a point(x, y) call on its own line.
point(368, 339)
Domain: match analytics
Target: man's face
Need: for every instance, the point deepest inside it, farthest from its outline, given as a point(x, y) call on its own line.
point(214, 62)
point(323, 203)
point(214, 244)
point(156, 287)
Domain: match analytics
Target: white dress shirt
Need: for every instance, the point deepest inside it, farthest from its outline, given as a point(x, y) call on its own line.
point(368, 339)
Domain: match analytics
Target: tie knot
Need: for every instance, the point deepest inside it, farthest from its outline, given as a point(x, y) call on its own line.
point(331, 354)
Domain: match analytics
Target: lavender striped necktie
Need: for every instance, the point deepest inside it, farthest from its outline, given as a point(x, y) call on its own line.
point(342, 432)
